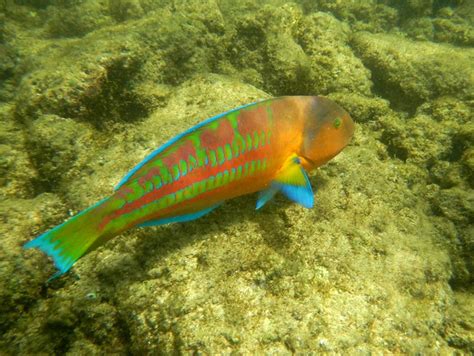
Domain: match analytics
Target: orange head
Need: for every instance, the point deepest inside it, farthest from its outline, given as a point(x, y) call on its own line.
point(328, 128)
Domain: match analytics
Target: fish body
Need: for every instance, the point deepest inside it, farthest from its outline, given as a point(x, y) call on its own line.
point(262, 147)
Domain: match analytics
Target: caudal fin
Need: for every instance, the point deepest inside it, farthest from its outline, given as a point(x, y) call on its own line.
point(67, 242)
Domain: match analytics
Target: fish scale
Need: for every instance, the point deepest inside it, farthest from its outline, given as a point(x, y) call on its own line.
point(261, 147)
point(220, 158)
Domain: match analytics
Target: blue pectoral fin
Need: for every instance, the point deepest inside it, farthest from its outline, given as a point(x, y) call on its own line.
point(300, 195)
point(266, 195)
point(293, 182)
point(179, 218)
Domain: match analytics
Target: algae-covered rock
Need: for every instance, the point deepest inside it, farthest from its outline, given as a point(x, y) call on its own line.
point(439, 139)
point(289, 53)
point(54, 143)
point(123, 10)
point(17, 176)
point(289, 60)
point(287, 67)
point(22, 217)
point(76, 19)
point(334, 65)
point(85, 88)
point(373, 16)
point(8, 60)
point(447, 27)
point(420, 140)
point(455, 26)
point(85, 78)
point(409, 73)
point(366, 109)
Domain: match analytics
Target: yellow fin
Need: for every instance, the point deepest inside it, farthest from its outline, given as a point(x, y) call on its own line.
point(292, 181)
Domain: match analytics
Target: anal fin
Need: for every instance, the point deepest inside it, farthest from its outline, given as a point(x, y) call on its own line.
point(179, 218)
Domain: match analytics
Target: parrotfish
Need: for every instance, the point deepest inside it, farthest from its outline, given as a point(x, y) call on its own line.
point(264, 147)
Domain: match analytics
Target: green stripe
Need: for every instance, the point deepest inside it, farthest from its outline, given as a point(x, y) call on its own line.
point(225, 177)
point(249, 142)
point(220, 155)
point(246, 169)
point(188, 192)
point(210, 183)
point(165, 175)
point(192, 163)
point(156, 181)
point(232, 174)
point(239, 172)
point(175, 172)
point(232, 118)
point(228, 152)
point(252, 168)
point(183, 167)
point(262, 139)
point(241, 142)
point(235, 148)
point(255, 140)
point(201, 157)
point(202, 186)
point(212, 158)
point(179, 196)
point(148, 186)
point(218, 180)
point(137, 192)
point(194, 190)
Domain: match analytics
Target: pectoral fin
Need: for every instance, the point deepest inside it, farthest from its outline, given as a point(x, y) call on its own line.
point(293, 182)
point(266, 195)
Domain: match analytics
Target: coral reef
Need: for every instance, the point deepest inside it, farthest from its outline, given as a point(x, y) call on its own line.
point(383, 263)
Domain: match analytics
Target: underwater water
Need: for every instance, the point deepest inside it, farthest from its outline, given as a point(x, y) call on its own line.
point(383, 263)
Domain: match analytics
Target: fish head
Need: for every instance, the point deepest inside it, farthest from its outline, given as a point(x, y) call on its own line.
point(328, 128)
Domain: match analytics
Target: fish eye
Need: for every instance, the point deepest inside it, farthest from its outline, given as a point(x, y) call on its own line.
point(337, 123)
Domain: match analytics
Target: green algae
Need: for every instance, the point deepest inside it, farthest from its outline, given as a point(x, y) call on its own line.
point(408, 79)
point(383, 263)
